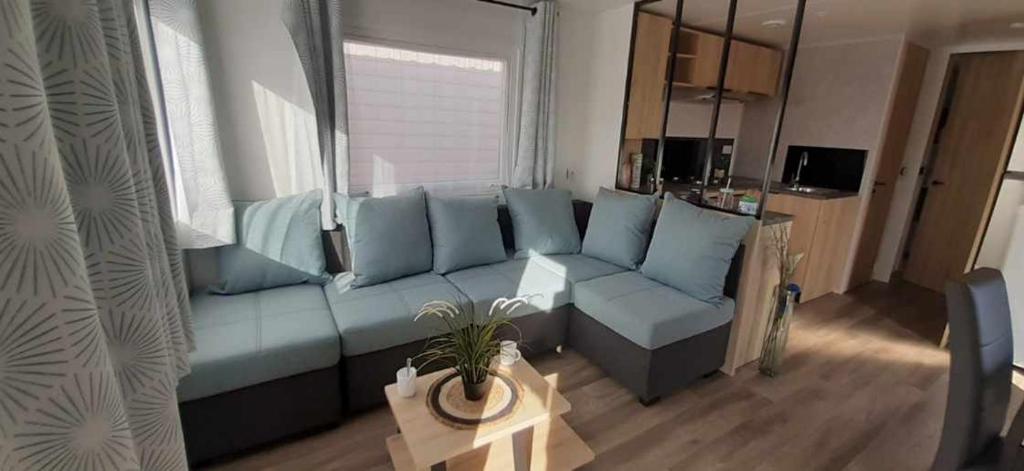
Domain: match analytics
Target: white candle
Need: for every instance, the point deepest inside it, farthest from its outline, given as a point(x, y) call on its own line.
point(406, 379)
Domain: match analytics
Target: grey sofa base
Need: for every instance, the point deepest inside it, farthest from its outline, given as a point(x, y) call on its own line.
point(246, 418)
point(367, 374)
point(649, 374)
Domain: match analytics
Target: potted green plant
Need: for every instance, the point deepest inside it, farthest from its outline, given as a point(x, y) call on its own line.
point(784, 300)
point(466, 343)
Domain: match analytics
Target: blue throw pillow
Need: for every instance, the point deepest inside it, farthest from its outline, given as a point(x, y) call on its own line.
point(279, 244)
point(693, 247)
point(389, 237)
point(465, 232)
point(620, 227)
point(543, 222)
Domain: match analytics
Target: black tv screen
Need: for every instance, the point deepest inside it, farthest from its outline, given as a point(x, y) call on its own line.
point(827, 167)
point(683, 160)
point(684, 157)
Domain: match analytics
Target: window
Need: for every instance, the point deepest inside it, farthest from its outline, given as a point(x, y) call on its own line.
point(420, 118)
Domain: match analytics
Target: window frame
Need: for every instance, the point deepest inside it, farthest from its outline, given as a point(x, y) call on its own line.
point(511, 99)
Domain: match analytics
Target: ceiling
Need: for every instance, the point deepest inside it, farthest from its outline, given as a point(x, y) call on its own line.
point(931, 22)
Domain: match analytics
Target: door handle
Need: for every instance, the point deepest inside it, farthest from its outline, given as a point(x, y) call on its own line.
point(938, 182)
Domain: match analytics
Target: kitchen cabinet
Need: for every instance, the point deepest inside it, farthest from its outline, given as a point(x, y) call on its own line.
point(753, 72)
point(823, 231)
point(645, 109)
point(753, 69)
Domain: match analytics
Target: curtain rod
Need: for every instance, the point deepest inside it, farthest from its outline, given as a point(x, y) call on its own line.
point(532, 10)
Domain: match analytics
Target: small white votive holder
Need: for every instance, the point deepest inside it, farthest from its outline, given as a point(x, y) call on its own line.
point(406, 379)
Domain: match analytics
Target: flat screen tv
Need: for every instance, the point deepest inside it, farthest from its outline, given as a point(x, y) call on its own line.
point(826, 167)
point(683, 160)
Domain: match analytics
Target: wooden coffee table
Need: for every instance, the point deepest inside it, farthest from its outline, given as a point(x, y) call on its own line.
point(532, 437)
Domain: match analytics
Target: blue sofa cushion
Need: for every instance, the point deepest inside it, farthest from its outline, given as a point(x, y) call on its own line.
point(620, 227)
point(251, 338)
point(389, 237)
point(279, 244)
point(465, 232)
point(546, 281)
point(576, 267)
point(646, 312)
point(692, 248)
point(543, 222)
point(378, 317)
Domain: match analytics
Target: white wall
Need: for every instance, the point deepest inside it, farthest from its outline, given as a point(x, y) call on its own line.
point(251, 60)
point(756, 127)
point(839, 97)
point(264, 108)
point(593, 51)
point(897, 224)
point(692, 119)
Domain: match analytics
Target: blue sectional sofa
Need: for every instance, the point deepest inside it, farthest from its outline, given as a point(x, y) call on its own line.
point(275, 362)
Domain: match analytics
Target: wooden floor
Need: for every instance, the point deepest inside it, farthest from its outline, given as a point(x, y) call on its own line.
point(863, 388)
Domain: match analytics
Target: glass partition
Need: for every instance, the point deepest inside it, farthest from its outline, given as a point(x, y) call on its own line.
point(704, 96)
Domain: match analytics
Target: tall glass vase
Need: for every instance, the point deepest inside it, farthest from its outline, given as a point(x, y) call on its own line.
point(777, 334)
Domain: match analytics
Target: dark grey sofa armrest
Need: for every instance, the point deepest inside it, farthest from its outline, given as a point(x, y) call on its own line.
point(732, 278)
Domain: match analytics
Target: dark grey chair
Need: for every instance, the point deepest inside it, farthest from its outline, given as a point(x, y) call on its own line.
point(981, 365)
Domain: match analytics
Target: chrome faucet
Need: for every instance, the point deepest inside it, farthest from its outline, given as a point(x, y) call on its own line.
point(795, 184)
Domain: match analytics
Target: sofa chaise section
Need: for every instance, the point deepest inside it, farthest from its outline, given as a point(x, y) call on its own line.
point(265, 367)
point(650, 337)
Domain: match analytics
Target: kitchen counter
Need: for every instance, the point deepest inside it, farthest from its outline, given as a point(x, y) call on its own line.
point(742, 184)
point(768, 218)
point(811, 192)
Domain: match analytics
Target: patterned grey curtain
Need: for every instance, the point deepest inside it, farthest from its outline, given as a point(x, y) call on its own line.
point(94, 316)
point(316, 31)
point(535, 153)
point(198, 187)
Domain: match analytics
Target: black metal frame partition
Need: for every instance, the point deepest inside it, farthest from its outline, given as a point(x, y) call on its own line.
point(723, 67)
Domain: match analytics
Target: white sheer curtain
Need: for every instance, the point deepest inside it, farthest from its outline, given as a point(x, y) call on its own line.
point(315, 28)
point(535, 155)
point(189, 140)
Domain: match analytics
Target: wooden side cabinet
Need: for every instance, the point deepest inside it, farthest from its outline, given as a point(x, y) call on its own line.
point(823, 231)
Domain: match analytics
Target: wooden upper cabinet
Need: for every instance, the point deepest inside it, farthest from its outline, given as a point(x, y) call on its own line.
point(753, 69)
point(708, 52)
point(645, 108)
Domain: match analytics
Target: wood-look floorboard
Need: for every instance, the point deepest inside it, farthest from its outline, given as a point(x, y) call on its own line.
point(863, 387)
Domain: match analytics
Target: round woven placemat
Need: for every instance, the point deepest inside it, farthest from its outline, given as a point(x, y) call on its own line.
point(448, 404)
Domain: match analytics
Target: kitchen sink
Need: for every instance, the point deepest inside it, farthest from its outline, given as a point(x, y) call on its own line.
point(806, 190)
